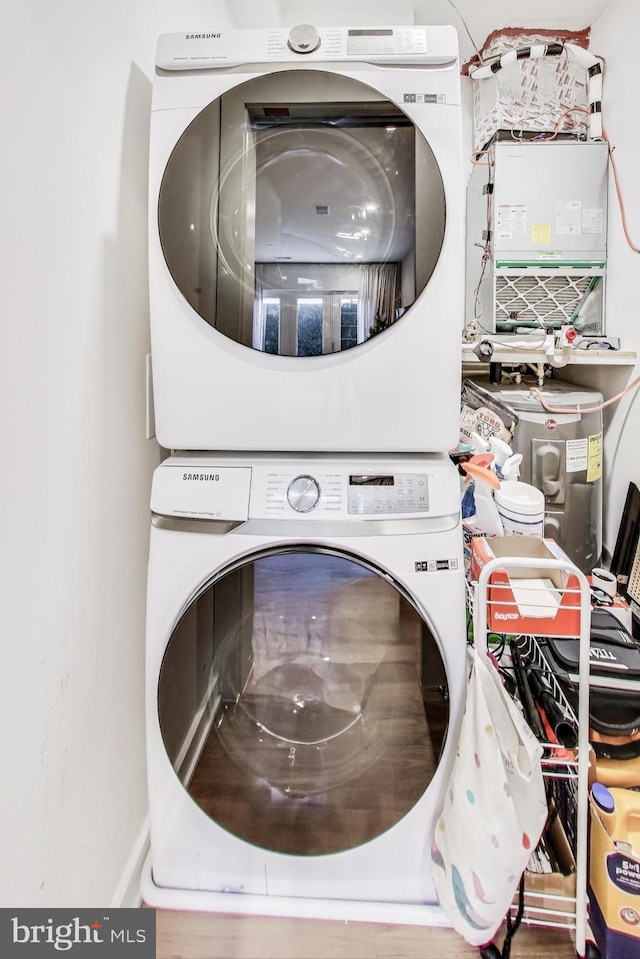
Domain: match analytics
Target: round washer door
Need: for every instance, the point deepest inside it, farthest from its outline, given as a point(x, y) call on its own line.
point(301, 213)
point(302, 702)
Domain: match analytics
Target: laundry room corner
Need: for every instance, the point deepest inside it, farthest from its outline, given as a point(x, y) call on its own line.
point(77, 464)
point(613, 38)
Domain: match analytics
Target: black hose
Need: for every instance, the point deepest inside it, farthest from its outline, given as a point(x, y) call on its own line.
point(528, 705)
point(560, 720)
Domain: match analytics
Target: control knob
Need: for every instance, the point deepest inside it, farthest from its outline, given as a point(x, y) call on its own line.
point(303, 493)
point(304, 39)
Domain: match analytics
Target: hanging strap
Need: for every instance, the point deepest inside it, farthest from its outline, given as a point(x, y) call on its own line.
point(491, 951)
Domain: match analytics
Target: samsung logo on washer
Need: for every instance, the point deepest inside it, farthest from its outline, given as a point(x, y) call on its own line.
point(202, 36)
point(205, 477)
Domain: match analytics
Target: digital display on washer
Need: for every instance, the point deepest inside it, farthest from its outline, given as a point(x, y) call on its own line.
point(371, 481)
point(370, 33)
point(385, 493)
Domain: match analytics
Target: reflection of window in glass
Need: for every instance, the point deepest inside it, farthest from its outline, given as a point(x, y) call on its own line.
point(309, 326)
point(348, 322)
point(271, 308)
point(294, 325)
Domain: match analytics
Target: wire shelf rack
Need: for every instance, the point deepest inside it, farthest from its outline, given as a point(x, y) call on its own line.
point(555, 596)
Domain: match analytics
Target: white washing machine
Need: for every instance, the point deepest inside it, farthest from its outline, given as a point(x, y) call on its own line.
point(306, 239)
point(305, 671)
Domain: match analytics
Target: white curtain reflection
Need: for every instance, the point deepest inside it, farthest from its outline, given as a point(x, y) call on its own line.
point(377, 295)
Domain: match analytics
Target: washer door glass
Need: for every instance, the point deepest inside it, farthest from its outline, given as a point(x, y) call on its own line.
point(302, 702)
point(301, 213)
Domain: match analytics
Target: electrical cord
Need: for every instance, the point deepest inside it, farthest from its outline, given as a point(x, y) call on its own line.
point(534, 391)
point(614, 167)
point(464, 23)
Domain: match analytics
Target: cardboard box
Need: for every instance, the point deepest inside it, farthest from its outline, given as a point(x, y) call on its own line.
point(527, 600)
point(550, 890)
point(614, 891)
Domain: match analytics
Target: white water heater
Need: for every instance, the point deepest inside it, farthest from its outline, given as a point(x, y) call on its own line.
point(562, 457)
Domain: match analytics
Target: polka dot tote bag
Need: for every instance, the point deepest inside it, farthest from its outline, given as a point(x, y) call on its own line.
point(494, 810)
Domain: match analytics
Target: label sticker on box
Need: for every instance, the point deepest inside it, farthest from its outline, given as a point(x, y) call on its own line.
point(568, 217)
point(541, 233)
point(585, 454)
point(511, 221)
point(577, 452)
point(593, 219)
point(594, 464)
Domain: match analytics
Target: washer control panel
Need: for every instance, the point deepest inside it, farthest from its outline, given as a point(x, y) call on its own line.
point(347, 488)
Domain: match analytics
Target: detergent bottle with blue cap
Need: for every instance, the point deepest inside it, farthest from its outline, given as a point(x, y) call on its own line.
point(614, 871)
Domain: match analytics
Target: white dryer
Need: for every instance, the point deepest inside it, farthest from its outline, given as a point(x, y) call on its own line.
point(305, 673)
point(306, 239)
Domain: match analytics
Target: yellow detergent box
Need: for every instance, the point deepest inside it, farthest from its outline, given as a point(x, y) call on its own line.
point(614, 871)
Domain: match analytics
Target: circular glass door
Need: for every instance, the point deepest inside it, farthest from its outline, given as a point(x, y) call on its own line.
point(302, 702)
point(301, 213)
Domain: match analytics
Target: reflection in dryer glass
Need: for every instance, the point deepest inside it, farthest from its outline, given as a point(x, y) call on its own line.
point(300, 703)
point(301, 213)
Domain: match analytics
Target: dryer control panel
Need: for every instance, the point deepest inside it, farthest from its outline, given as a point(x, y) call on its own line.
point(212, 49)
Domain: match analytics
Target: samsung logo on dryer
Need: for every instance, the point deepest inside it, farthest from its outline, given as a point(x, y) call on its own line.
point(205, 477)
point(202, 36)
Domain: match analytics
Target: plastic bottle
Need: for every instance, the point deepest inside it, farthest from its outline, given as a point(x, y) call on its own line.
point(510, 469)
point(486, 519)
point(501, 450)
point(521, 508)
point(619, 810)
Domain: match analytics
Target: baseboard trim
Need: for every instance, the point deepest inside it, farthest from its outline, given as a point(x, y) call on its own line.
point(128, 893)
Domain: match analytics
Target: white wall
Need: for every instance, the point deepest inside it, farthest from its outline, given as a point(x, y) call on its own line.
point(613, 36)
point(76, 467)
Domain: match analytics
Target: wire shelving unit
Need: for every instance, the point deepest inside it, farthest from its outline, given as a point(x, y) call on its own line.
point(570, 767)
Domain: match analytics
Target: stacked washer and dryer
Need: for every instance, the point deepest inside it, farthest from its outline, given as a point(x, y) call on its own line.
point(305, 627)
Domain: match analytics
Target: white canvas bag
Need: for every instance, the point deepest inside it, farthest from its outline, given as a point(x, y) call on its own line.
point(494, 810)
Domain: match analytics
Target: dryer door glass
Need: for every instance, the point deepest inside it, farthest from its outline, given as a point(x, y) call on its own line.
point(302, 702)
point(301, 213)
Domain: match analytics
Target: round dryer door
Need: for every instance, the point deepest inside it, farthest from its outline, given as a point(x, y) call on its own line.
point(301, 213)
point(302, 702)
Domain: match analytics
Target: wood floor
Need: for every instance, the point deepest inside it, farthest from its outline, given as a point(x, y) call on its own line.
point(183, 935)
